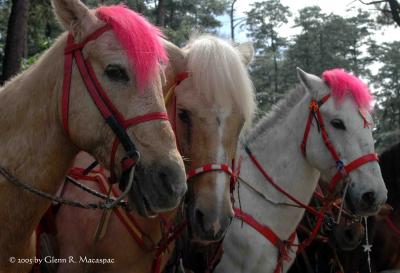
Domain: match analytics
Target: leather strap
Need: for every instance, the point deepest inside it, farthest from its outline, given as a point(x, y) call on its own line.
point(109, 112)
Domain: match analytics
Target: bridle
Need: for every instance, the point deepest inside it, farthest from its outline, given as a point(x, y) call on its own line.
point(342, 172)
point(342, 169)
point(115, 120)
point(210, 167)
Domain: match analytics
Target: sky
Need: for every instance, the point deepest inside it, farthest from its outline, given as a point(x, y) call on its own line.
point(344, 8)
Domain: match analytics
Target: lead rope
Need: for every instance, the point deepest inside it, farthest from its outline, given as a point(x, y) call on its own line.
point(346, 187)
point(104, 215)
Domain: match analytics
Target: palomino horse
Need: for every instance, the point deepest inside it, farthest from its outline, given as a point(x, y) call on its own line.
point(317, 128)
point(208, 109)
point(58, 107)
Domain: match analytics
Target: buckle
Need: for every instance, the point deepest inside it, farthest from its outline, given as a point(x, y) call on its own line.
point(130, 159)
point(314, 106)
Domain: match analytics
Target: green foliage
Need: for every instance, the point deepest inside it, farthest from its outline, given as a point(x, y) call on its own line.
point(183, 17)
point(387, 82)
point(324, 41)
point(42, 28)
point(263, 23)
point(328, 41)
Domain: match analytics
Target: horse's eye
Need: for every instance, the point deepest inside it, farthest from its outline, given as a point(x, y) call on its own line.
point(116, 73)
point(184, 116)
point(338, 124)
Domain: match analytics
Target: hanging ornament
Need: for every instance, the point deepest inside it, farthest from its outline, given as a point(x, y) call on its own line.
point(367, 247)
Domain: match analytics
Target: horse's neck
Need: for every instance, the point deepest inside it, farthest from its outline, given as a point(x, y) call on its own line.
point(278, 151)
point(33, 146)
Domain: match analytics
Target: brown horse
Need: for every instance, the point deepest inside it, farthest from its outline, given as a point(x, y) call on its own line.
point(58, 106)
point(208, 108)
point(384, 229)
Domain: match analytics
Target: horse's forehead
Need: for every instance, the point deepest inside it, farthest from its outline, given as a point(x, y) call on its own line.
point(107, 42)
point(204, 100)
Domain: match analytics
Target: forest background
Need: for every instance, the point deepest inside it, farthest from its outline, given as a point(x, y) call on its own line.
point(284, 38)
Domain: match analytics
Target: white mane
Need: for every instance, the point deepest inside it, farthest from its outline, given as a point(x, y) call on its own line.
point(218, 72)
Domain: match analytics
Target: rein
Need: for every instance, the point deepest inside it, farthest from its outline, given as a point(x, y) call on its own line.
point(342, 173)
point(60, 200)
point(135, 231)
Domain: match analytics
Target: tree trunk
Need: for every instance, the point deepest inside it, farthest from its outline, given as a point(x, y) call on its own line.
point(232, 11)
point(160, 20)
point(395, 10)
point(274, 48)
point(16, 36)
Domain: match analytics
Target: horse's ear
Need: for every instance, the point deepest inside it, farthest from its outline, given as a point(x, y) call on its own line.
point(247, 52)
point(74, 16)
point(313, 84)
point(177, 57)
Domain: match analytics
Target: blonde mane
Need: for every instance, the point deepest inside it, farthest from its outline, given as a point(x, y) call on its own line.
point(219, 72)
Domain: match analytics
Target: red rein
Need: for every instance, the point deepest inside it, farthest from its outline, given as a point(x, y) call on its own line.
point(342, 171)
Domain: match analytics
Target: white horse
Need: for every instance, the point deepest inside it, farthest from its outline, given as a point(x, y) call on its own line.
point(275, 142)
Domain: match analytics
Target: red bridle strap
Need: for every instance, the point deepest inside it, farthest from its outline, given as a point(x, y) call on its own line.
point(68, 60)
point(129, 221)
point(109, 112)
point(209, 168)
point(314, 108)
point(283, 246)
point(127, 123)
point(275, 185)
point(351, 167)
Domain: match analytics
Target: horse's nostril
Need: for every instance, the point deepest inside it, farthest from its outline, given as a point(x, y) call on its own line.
point(369, 198)
point(162, 176)
point(348, 233)
point(199, 216)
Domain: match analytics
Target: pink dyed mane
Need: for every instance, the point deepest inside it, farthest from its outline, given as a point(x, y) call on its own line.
point(342, 84)
point(140, 39)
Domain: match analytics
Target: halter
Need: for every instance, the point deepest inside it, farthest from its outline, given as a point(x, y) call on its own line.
point(115, 120)
point(342, 172)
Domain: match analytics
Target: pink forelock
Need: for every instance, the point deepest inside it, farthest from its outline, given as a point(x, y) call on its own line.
point(342, 83)
point(140, 39)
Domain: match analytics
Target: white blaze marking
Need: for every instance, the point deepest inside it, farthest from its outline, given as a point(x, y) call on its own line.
point(221, 183)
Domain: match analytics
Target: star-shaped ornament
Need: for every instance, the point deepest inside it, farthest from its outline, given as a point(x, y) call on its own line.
point(367, 247)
